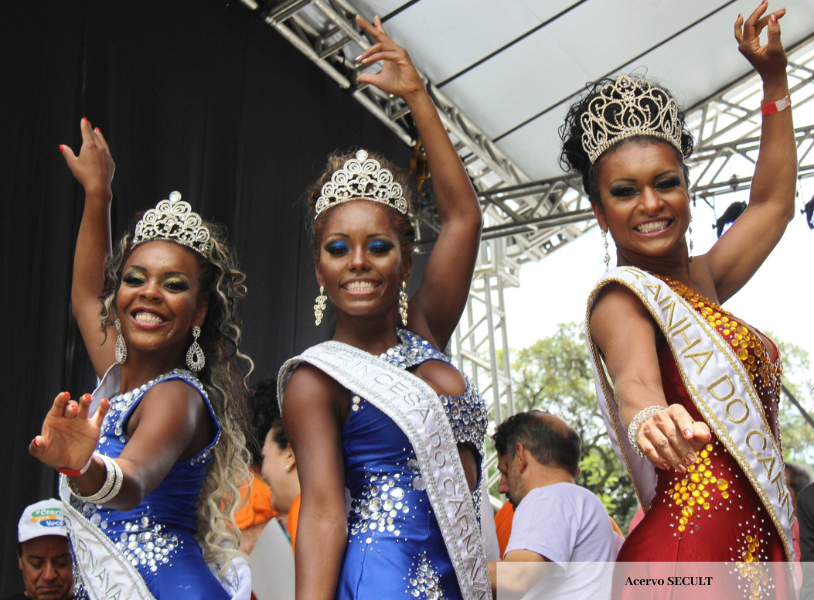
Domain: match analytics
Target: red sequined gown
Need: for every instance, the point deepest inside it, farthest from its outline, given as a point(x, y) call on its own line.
point(712, 513)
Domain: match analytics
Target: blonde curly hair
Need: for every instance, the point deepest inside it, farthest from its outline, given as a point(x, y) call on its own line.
point(222, 286)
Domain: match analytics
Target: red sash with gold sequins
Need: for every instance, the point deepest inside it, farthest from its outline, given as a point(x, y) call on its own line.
point(720, 387)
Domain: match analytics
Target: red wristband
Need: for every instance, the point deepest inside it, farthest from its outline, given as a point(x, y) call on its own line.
point(769, 108)
point(74, 472)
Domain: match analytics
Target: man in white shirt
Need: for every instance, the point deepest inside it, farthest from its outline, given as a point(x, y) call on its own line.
point(562, 543)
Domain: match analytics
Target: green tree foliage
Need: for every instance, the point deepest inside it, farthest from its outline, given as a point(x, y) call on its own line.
point(555, 375)
point(796, 432)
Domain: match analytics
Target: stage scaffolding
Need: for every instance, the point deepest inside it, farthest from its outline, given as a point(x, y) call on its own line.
point(527, 220)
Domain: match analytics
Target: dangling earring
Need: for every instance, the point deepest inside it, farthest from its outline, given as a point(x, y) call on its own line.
point(607, 253)
point(689, 231)
point(320, 305)
point(195, 356)
point(121, 350)
point(403, 303)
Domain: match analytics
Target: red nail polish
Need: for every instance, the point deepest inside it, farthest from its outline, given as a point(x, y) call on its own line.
point(87, 121)
point(36, 443)
point(61, 148)
point(97, 130)
point(688, 433)
point(773, 20)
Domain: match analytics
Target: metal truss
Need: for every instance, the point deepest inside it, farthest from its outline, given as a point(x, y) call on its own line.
point(524, 220)
point(527, 220)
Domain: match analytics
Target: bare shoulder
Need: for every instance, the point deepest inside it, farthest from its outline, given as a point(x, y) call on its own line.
point(618, 314)
point(173, 397)
point(310, 389)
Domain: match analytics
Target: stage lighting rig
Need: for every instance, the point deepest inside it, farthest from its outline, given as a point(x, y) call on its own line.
point(725, 221)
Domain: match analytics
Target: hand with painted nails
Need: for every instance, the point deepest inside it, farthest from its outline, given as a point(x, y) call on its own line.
point(69, 436)
point(769, 60)
point(670, 438)
point(94, 167)
point(398, 75)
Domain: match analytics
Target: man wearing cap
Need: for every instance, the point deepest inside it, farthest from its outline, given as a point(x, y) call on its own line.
point(43, 553)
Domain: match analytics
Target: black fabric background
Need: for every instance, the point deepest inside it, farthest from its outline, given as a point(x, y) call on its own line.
point(193, 95)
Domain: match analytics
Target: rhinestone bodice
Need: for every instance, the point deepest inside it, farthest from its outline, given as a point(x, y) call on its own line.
point(712, 513)
point(158, 536)
point(466, 413)
point(395, 544)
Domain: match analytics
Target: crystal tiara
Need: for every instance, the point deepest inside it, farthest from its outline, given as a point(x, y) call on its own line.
point(361, 178)
point(174, 221)
point(626, 108)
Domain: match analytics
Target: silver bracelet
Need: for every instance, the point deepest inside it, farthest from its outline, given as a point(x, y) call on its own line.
point(117, 486)
point(107, 486)
point(636, 423)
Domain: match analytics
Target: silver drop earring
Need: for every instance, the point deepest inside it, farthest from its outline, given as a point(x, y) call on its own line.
point(320, 305)
point(607, 252)
point(195, 355)
point(120, 350)
point(403, 303)
point(689, 231)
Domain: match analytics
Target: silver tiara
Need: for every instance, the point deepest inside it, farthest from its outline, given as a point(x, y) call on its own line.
point(173, 220)
point(625, 108)
point(361, 178)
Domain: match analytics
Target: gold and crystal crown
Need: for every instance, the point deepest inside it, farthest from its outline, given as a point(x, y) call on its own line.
point(361, 178)
point(626, 108)
point(173, 220)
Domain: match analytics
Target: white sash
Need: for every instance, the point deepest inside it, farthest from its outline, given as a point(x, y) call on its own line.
point(103, 571)
point(415, 408)
point(719, 387)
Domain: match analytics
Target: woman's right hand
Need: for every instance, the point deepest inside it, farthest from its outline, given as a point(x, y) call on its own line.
point(69, 436)
point(670, 438)
point(94, 167)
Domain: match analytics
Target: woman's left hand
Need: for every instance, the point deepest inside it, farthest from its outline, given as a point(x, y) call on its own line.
point(398, 75)
point(770, 59)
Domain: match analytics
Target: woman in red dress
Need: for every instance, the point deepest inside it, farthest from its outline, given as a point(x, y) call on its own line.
point(692, 409)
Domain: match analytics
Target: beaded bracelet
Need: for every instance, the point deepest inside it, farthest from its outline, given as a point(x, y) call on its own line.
point(111, 486)
point(636, 423)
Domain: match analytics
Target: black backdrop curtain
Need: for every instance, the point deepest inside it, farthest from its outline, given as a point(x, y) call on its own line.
point(193, 95)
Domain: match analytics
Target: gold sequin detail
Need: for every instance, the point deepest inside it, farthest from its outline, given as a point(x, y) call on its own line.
point(747, 345)
point(692, 493)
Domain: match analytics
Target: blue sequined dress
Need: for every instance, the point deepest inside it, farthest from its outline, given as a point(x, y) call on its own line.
point(158, 536)
point(395, 546)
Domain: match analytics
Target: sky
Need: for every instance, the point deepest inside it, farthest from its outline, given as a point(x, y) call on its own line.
point(778, 299)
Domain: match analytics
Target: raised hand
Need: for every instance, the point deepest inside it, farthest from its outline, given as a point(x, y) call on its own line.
point(769, 60)
point(398, 75)
point(69, 436)
point(94, 167)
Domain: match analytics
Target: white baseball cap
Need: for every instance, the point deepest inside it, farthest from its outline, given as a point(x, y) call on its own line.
point(42, 518)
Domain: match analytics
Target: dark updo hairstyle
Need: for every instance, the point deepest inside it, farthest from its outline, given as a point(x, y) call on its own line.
point(574, 159)
point(402, 223)
point(222, 287)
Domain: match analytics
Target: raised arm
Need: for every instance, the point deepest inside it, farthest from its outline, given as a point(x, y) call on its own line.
point(739, 253)
point(170, 424)
point(437, 305)
point(313, 424)
point(627, 338)
point(93, 169)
